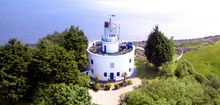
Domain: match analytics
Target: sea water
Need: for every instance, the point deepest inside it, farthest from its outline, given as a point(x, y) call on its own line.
point(30, 20)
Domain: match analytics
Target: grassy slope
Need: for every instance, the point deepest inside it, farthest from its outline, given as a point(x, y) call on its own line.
point(205, 59)
point(190, 44)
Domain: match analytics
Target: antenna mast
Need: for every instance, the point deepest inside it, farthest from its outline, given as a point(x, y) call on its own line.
point(111, 17)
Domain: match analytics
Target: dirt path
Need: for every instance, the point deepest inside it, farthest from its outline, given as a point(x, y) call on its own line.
point(111, 97)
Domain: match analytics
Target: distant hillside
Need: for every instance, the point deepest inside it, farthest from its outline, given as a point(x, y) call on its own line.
point(205, 59)
point(186, 45)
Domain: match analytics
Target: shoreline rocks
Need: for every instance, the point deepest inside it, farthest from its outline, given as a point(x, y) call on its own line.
point(206, 40)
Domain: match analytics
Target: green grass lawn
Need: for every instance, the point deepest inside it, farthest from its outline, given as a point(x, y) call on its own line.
point(205, 59)
point(190, 44)
point(147, 71)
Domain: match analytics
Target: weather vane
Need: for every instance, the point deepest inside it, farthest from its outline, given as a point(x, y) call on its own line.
point(111, 17)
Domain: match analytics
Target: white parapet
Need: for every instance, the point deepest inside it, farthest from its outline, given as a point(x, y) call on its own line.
point(110, 66)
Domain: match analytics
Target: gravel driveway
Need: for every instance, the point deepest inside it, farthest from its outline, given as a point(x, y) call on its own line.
point(111, 97)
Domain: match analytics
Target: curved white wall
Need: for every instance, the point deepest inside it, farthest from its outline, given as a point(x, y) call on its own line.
point(103, 64)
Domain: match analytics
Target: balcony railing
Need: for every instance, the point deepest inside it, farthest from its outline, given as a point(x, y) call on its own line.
point(110, 39)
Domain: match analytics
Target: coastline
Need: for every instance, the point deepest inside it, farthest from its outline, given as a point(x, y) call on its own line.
point(206, 40)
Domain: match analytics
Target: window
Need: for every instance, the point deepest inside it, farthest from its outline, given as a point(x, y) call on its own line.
point(105, 74)
point(87, 73)
point(129, 60)
point(91, 61)
point(129, 69)
point(118, 73)
point(112, 65)
point(92, 70)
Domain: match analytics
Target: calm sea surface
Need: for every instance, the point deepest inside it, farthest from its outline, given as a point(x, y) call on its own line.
point(29, 20)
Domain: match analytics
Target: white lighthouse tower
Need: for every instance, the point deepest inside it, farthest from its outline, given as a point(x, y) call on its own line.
point(110, 58)
point(110, 39)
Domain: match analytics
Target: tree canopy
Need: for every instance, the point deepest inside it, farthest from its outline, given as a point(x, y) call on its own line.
point(14, 74)
point(56, 37)
point(72, 39)
point(183, 87)
point(184, 68)
point(62, 94)
point(75, 40)
point(171, 92)
point(159, 49)
point(53, 64)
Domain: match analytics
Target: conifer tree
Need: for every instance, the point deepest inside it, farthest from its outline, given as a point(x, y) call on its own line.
point(159, 49)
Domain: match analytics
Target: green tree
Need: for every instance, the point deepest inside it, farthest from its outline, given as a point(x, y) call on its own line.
point(53, 64)
point(72, 39)
point(167, 91)
point(124, 75)
point(166, 71)
point(84, 80)
point(62, 94)
point(137, 98)
point(159, 49)
point(14, 75)
point(1, 47)
point(97, 77)
point(75, 40)
point(56, 37)
point(213, 81)
point(184, 68)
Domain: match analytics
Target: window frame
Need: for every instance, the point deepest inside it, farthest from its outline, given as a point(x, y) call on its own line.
point(105, 74)
point(118, 73)
point(112, 65)
point(92, 62)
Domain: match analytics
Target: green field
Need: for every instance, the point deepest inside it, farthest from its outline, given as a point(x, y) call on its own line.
point(205, 59)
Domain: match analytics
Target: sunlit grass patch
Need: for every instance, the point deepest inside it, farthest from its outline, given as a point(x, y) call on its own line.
point(205, 59)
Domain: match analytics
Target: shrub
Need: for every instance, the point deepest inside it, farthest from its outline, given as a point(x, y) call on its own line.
point(124, 75)
point(200, 78)
point(107, 86)
point(116, 85)
point(184, 69)
point(97, 86)
point(121, 84)
point(166, 71)
point(94, 50)
point(128, 82)
point(97, 77)
point(124, 83)
point(140, 60)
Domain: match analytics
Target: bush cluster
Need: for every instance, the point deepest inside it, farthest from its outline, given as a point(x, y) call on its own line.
point(107, 86)
point(97, 86)
point(116, 85)
point(128, 82)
